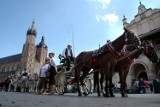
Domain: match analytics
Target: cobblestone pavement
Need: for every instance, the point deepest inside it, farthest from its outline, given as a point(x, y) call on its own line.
point(14, 99)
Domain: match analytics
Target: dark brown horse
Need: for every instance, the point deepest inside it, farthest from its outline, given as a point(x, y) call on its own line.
point(105, 58)
point(123, 66)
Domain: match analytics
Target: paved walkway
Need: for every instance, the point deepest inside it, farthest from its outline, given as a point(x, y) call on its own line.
point(14, 99)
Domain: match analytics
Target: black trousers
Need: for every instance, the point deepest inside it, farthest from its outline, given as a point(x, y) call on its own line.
point(68, 61)
point(52, 71)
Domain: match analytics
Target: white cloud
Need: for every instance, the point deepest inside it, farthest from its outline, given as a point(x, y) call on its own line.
point(101, 3)
point(111, 18)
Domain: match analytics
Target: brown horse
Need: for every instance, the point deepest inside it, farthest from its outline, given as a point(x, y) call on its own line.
point(105, 58)
point(123, 66)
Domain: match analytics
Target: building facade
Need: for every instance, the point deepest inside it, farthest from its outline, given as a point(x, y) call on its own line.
point(146, 25)
point(31, 58)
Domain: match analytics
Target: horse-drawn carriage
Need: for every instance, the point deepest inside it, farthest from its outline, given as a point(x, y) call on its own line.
point(67, 78)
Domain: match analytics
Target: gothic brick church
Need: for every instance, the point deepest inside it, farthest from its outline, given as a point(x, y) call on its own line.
point(31, 58)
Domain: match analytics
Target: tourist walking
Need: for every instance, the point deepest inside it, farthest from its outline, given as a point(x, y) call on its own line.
point(42, 85)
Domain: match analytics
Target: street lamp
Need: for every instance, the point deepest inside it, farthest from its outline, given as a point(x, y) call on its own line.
point(72, 34)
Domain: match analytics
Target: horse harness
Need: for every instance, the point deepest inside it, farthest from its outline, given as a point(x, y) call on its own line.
point(112, 50)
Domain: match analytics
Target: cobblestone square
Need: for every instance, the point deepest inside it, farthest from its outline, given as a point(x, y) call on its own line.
point(13, 99)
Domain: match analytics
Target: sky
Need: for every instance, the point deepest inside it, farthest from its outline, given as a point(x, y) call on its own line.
point(85, 24)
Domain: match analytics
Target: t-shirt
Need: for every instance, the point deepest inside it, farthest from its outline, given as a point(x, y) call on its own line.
point(52, 62)
point(141, 84)
point(44, 70)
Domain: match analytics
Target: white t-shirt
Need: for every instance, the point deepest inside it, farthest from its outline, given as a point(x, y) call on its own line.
point(44, 70)
point(52, 62)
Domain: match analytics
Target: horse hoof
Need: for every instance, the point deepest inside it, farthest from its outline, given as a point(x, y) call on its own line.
point(79, 95)
point(85, 94)
point(106, 95)
point(112, 95)
point(124, 96)
point(98, 95)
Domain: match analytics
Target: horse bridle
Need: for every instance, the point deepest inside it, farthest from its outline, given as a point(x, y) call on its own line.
point(134, 39)
point(146, 48)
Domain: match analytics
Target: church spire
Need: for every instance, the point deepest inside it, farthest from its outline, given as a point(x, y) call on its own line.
point(32, 30)
point(33, 23)
point(125, 24)
point(140, 2)
point(141, 8)
point(42, 44)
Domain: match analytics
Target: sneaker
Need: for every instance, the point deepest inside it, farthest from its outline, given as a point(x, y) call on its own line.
point(38, 93)
point(44, 93)
point(51, 93)
point(47, 93)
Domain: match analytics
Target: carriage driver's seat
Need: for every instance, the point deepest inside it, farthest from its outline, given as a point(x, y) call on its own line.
point(64, 62)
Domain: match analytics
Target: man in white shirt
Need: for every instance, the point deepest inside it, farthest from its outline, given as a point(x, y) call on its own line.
point(68, 56)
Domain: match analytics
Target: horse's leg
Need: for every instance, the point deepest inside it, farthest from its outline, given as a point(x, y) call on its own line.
point(106, 82)
point(101, 82)
point(77, 77)
point(9, 87)
point(96, 82)
point(121, 75)
point(110, 81)
point(125, 76)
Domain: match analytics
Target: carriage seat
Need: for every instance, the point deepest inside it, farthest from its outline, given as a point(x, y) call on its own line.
point(63, 61)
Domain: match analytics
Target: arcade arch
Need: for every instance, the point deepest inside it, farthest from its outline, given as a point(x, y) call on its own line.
point(138, 70)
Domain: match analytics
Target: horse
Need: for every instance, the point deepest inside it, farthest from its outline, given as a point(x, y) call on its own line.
point(123, 66)
point(105, 57)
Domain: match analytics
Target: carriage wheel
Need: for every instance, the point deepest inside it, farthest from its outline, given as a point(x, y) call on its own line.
point(85, 88)
point(61, 84)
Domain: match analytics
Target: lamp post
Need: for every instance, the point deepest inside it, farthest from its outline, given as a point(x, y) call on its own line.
point(70, 28)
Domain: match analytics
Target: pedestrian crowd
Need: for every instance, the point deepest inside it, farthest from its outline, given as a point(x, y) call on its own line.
point(144, 86)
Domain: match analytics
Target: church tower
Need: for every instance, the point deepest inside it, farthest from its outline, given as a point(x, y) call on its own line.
point(29, 50)
point(42, 50)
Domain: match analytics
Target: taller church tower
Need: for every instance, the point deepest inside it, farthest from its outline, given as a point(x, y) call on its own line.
point(29, 50)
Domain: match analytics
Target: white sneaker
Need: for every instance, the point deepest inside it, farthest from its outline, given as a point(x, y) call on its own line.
point(44, 93)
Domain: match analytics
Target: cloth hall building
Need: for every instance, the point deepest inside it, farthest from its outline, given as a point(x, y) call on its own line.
point(145, 25)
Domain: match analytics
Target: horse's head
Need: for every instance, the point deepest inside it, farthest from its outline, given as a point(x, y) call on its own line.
point(150, 51)
point(132, 41)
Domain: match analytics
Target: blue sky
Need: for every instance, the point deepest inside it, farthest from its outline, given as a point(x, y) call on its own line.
point(87, 23)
